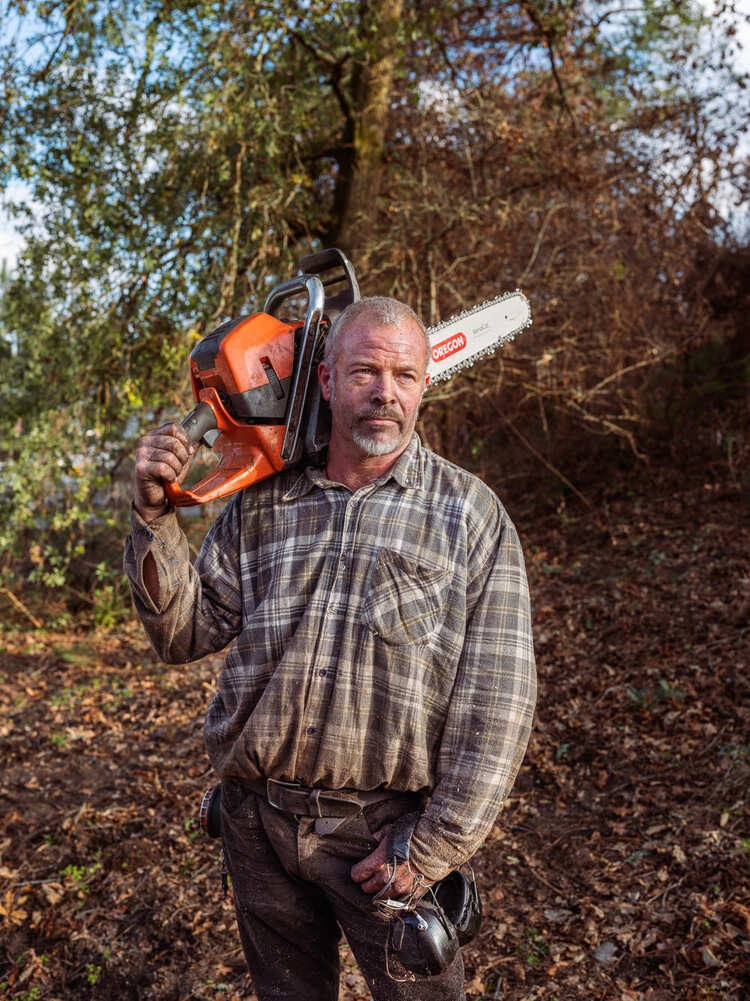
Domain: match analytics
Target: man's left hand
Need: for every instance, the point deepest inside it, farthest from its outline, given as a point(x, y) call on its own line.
point(374, 871)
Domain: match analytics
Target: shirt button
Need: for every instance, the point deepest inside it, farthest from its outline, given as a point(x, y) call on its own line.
point(310, 731)
point(323, 673)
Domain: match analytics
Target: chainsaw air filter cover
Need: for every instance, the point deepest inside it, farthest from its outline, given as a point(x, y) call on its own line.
point(249, 363)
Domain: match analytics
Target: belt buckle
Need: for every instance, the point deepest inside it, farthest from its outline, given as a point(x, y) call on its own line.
point(272, 784)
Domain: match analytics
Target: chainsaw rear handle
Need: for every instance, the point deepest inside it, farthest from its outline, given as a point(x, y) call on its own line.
point(198, 422)
point(246, 453)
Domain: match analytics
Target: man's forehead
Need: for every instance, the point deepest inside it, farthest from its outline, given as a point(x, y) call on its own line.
point(374, 335)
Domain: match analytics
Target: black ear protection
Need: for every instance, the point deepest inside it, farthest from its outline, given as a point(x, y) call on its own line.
point(426, 932)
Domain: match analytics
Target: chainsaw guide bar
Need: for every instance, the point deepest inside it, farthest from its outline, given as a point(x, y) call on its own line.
point(458, 343)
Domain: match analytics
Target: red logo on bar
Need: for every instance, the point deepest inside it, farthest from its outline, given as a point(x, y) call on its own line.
point(450, 346)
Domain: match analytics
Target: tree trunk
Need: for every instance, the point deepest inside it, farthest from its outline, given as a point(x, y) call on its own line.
point(361, 171)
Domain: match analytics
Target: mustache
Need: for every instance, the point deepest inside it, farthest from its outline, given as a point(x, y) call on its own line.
point(384, 413)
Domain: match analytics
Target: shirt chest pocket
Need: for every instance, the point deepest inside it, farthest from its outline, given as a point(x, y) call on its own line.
point(406, 600)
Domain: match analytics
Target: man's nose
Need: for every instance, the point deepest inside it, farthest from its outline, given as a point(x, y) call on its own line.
point(384, 388)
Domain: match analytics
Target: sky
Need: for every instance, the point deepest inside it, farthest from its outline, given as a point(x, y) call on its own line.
point(11, 242)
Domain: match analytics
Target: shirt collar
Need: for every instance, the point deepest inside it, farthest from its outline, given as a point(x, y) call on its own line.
point(408, 472)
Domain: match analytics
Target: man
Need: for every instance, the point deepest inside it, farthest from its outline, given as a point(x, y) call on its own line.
point(380, 665)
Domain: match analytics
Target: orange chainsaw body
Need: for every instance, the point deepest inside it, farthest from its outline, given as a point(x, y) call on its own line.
point(243, 373)
point(258, 402)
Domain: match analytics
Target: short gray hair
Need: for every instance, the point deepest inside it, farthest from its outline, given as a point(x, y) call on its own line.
point(382, 309)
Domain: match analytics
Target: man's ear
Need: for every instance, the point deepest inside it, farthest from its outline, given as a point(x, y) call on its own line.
point(324, 378)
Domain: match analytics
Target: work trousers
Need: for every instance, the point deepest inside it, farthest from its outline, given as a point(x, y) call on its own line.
point(294, 895)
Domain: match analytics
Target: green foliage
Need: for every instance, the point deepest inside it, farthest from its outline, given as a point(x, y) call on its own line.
point(179, 157)
point(647, 699)
point(534, 949)
point(93, 973)
point(111, 597)
point(49, 479)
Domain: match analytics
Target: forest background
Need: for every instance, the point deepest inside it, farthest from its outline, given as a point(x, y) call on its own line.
point(165, 165)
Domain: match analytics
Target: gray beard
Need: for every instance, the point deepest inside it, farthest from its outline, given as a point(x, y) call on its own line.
point(370, 446)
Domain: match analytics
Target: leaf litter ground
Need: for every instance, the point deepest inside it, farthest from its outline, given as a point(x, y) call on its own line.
point(619, 868)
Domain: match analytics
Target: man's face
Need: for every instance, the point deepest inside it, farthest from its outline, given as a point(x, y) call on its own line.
point(375, 387)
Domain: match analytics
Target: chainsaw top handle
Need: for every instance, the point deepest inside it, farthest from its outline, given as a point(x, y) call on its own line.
point(306, 361)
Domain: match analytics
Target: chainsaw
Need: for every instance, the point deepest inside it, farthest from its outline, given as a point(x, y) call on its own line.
point(258, 402)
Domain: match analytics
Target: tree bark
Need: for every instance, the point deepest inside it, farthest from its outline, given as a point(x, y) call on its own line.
point(360, 177)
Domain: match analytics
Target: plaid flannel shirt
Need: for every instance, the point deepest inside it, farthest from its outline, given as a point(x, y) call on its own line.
point(380, 638)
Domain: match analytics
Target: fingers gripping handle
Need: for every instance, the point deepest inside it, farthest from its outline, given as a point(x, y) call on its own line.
point(198, 422)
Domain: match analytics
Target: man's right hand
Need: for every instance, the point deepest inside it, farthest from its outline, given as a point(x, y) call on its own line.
point(375, 871)
point(162, 456)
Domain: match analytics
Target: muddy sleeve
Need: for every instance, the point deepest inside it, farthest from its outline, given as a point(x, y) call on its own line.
point(198, 607)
